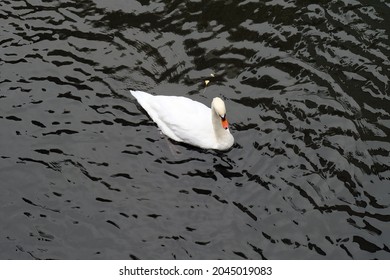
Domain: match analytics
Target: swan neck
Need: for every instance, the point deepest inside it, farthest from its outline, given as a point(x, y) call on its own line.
point(216, 119)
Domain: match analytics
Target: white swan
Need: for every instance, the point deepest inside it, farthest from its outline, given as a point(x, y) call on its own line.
point(188, 121)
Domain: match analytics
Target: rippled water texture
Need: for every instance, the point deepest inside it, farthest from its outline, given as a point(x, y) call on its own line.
point(85, 174)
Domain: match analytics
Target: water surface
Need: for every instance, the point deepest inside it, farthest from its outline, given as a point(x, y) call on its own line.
point(85, 174)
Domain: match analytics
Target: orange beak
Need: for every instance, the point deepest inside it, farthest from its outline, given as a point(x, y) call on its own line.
point(225, 123)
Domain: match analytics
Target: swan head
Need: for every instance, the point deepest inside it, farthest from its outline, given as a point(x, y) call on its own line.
point(219, 108)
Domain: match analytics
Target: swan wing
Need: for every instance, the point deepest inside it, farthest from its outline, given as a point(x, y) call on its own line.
point(180, 118)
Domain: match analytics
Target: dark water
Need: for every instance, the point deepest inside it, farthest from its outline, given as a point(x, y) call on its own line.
point(85, 174)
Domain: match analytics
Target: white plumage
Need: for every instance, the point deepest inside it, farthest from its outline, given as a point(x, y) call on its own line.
point(188, 121)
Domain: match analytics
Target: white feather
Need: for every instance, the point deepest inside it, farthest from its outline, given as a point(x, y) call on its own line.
point(185, 120)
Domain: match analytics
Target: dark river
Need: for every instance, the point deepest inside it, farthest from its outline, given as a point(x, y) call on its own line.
point(86, 174)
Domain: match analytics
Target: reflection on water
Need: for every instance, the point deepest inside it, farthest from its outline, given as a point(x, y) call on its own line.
point(85, 174)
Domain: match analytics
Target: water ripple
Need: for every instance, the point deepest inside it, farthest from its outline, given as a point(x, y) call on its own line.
point(307, 90)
